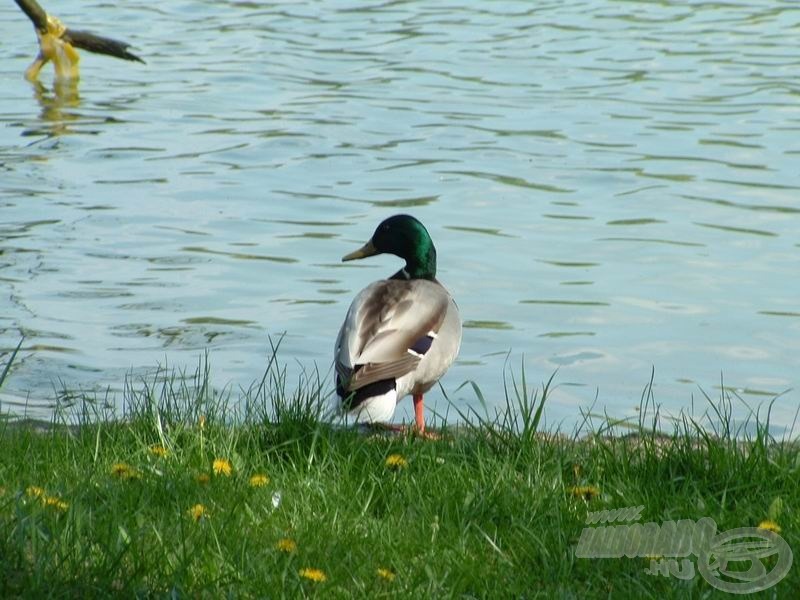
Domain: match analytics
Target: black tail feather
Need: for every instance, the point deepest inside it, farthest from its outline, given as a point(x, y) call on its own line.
point(353, 399)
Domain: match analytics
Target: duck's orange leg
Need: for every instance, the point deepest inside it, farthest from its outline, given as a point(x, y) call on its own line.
point(419, 412)
point(419, 420)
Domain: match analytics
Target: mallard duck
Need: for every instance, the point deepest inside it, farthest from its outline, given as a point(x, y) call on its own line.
point(400, 334)
point(58, 43)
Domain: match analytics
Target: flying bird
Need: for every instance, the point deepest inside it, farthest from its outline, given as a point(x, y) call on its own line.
point(58, 43)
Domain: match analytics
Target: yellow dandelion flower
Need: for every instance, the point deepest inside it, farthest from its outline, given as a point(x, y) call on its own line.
point(202, 478)
point(259, 480)
point(34, 491)
point(396, 461)
point(386, 574)
point(158, 450)
point(313, 574)
point(202, 421)
point(120, 469)
point(198, 511)
point(769, 525)
point(123, 471)
point(222, 466)
point(587, 492)
point(286, 545)
point(55, 502)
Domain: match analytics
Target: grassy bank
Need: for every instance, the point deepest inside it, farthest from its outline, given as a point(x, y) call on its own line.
point(186, 495)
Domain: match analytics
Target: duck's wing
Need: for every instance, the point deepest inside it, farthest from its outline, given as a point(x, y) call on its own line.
point(388, 329)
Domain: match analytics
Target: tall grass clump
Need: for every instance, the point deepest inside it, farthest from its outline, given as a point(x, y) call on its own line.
point(258, 492)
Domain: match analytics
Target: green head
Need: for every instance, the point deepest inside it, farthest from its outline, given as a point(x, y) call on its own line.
point(406, 237)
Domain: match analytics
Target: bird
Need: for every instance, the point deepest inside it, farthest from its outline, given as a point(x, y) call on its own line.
point(400, 334)
point(58, 43)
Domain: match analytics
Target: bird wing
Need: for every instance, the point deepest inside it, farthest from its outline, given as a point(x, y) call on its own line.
point(35, 13)
point(99, 44)
point(384, 323)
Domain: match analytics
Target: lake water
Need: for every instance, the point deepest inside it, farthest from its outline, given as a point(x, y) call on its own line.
point(612, 187)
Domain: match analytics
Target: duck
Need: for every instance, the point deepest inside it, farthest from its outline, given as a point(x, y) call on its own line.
point(400, 334)
point(58, 43)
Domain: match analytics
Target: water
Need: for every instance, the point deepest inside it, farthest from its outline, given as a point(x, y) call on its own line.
point(612, 187)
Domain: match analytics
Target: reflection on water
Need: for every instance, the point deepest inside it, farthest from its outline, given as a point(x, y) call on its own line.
point(55, 104)
point(611, 186)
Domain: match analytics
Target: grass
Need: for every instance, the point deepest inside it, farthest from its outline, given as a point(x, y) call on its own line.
point(195, 493)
